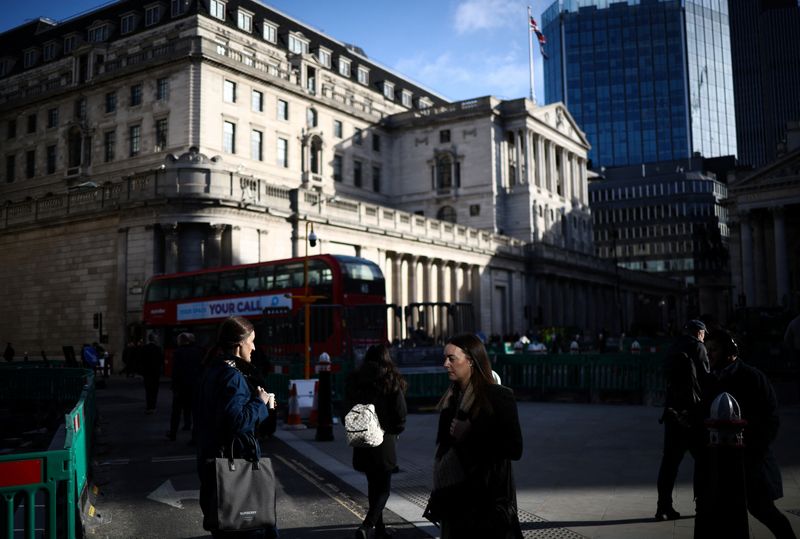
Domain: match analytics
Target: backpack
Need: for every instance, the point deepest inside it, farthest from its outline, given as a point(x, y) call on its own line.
point(361, 426)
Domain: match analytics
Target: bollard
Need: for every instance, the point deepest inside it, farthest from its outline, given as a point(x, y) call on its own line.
point(721, 495)
point(325, 404)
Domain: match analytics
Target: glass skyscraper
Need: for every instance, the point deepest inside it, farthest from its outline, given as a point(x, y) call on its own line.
point(647, 80)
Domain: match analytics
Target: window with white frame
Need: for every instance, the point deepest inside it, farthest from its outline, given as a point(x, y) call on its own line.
point(363, 75)
point(49, 51)
point(152, 15)
point(162, 89)
point(217, 9)
point(406, 98)
point(344, 67)
point(127, 24)
point(134, 140)
point(257, 101)
point(69, 44)
point(244, 20)
point(388, 90)
point(337, 129)
point(297, 44)
point(229, 137)
point(229, 91)
point(311, 117)
point(425, 103)
point(256, 150)
point(282, 156)
point(162, 126)
point(98, 33)
point(324, 56)
point(283, 109)
point(29, 58)
point(270, 32)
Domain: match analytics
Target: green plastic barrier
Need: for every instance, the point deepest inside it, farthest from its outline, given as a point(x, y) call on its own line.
point(53, 480)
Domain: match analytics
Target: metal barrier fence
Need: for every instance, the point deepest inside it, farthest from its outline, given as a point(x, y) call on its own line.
point(41, 490)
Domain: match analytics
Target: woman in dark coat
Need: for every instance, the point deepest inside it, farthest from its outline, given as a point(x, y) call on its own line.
point(378, 382)
point(229, 406)
point(478, 435)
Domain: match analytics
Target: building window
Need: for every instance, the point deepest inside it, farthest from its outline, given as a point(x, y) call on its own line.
point(357, 172)
point(229, 91)
point(298, 45)
point(217, 9)
point(444, 172)
point(229, 137)
point(282, 155)
point(447, 214)
point(127, 24)
point(4, 67)
point(109, 145)
point(388, 90)
point(257, 101)
point(283, 109)
point(136, 95)
point(31, 123)
point(344, 67)
point(358, 136)
point(98, 33)
point(162, 89)
point(51, 159)
point(69, 44)
point(337, 129)
point(324, 56)
point(135, 135)
point(30, 163)
point(376, 142)
point(80, 109)
point(270, 32)
point(425, 103)
point(11, 168)
point(11, 129)
point(244, 20)
point(111, 102)
point(376, 179)
point(52, 118)
point(152, 15)
point(49, 51)
point(29, 58)
point(177, 7)
point(161, 134)
point(444, 136)
point(363, 75)
point(406, 98)
point(475, 210)
point(311, 117)
point(256, 149)
point(337, 168)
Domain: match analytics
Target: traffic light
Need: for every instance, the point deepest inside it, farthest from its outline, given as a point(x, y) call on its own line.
point(97, 320)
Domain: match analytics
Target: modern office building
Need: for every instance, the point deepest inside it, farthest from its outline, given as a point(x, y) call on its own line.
point(646, 80)
point(765, 54)
point(140, 139)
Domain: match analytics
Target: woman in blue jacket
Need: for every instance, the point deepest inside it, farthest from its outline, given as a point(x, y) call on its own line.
point(229, 406)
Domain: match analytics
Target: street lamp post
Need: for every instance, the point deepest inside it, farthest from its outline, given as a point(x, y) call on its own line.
point(307, 300)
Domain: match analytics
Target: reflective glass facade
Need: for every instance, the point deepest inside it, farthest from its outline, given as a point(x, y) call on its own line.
point(647, 80)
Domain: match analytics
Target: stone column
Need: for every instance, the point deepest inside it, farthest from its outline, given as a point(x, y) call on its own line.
point(214, 251)
point(397, 277)
point(781, 260)
point(759, 260)
point(170, 247)
point(746, 241)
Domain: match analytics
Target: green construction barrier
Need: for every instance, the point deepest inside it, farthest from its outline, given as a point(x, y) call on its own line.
point(48, 484)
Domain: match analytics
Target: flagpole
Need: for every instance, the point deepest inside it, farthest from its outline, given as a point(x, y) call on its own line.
point(530, 53)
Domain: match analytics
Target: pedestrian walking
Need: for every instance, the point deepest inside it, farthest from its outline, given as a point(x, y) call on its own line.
point(378, 382)
point(759, 407)
point(686, 370)
point(229, 406)
point(8, 353)
point(478, 436)
point(186, 365)
point(152, 363)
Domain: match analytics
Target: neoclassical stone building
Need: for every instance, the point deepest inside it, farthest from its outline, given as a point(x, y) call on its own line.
point(146, 139)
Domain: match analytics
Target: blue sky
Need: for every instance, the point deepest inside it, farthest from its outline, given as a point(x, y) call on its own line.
point(458, 48)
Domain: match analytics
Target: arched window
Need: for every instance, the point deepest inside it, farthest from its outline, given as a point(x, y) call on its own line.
point(447, 214)
point(444, 171)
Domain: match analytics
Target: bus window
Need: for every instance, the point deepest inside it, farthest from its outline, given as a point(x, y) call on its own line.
point(180, 288)
point(362, 278)
point(266, 274)
point(253, 280)
point(158, 291)
point(206, 284)
point(232, 282)
point(289, 276)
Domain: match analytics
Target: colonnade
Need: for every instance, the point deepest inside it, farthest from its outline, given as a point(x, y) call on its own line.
point(758, 231)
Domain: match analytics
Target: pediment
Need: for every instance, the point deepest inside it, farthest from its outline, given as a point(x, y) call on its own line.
point(782, 172)
point(557, 117)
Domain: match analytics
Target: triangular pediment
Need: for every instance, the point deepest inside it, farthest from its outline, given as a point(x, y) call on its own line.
point(557, 117)
point(784, 170)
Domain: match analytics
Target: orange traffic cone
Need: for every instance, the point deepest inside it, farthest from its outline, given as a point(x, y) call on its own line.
point(313, 418)
point(293, 421)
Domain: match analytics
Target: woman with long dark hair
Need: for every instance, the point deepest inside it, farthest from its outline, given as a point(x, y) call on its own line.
point(478, 435)
point(378, 382)
point(229, 407)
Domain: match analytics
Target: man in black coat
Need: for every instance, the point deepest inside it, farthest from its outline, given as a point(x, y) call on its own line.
point(152, 363)
point(186, 367)
point(759, 407)
point(686, 370)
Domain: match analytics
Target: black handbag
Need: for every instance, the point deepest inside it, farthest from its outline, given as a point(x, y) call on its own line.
point(239, 493)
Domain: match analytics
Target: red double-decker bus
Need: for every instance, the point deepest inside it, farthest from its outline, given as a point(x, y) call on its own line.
point(349, 316)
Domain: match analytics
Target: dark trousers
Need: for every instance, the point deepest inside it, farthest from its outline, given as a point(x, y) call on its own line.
point(181, 405)
point(769, 515)
point(151, 390)
point(378, 486)
point(677, 441)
